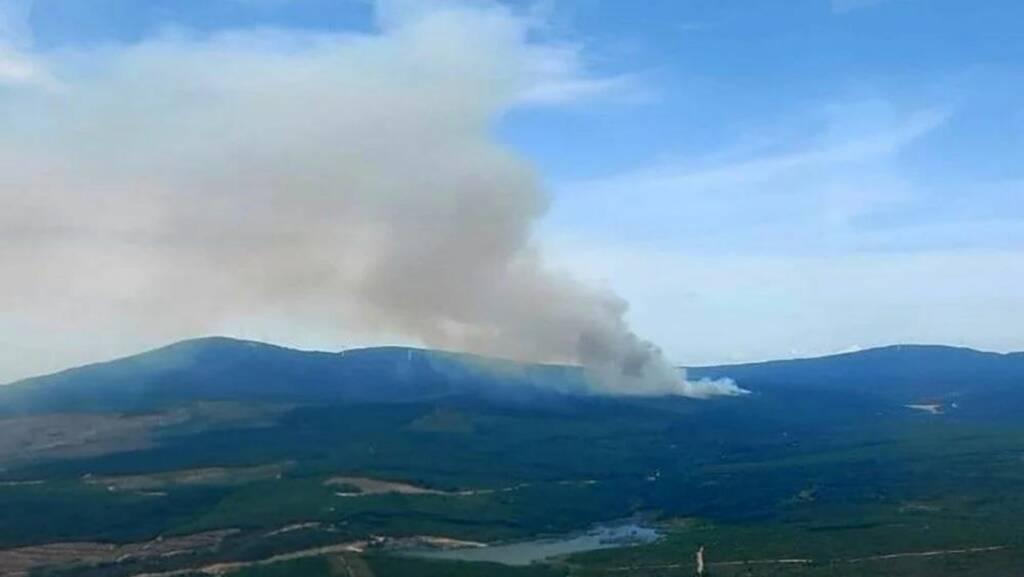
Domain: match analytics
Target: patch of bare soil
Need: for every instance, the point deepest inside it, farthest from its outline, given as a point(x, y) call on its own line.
point(72, 435)
point(208, 476)
point(343, 557)
point(20, 562)
point(224, 568)
point(293, 528)
point(63, 435)
point(368, 486)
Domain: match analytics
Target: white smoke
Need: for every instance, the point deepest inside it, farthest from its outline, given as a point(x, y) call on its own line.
point(161, 187)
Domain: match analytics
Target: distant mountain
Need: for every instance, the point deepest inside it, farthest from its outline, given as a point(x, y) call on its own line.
point(900, 374)
point(227, 369)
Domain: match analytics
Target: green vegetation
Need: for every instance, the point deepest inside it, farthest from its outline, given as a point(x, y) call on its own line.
point(399, 567)
point(384, 566)
point(747, 485)
point(309, 567)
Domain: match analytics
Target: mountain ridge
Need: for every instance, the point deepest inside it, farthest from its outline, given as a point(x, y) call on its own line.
point(233, 341)
point(223, 368)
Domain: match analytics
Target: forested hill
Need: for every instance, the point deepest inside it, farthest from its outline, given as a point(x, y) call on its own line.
point(227, 369)
point(903, 374)
point(219, 368)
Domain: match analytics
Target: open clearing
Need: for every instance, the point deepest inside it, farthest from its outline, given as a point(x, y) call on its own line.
point(367, 486)
point(76, 435)
point(20, 562)
point(208, 476)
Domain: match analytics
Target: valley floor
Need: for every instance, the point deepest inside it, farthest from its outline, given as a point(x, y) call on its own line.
point(335, 490)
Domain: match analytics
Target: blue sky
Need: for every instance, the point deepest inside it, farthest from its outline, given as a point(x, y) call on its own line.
point(699, 87)
point(758, 179)
point(700, 78)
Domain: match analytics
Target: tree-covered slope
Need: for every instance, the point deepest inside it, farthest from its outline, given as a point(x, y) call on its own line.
point(244, 371)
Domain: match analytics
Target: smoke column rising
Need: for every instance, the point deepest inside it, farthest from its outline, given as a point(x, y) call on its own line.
point(164, 186)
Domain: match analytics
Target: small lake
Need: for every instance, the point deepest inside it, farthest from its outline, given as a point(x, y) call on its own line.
point(527, 552)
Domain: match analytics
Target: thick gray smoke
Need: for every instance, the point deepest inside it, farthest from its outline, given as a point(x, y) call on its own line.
point(163, 187)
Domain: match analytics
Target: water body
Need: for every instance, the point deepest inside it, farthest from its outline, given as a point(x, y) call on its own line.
point(527, 552)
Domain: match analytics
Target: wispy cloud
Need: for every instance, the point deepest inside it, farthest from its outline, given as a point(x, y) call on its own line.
point(561, 74)
point(568, 89)
point(815, 194)
point(803, 245)
point(17, 65)
point(823, 152)
point(16, 68)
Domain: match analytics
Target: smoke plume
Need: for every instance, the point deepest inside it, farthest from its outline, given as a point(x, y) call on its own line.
point(162, 187)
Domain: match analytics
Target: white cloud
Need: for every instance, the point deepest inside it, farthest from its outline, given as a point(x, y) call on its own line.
point(556, 70)
point(16, 65)
point(561, 77)
point(16, 68)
